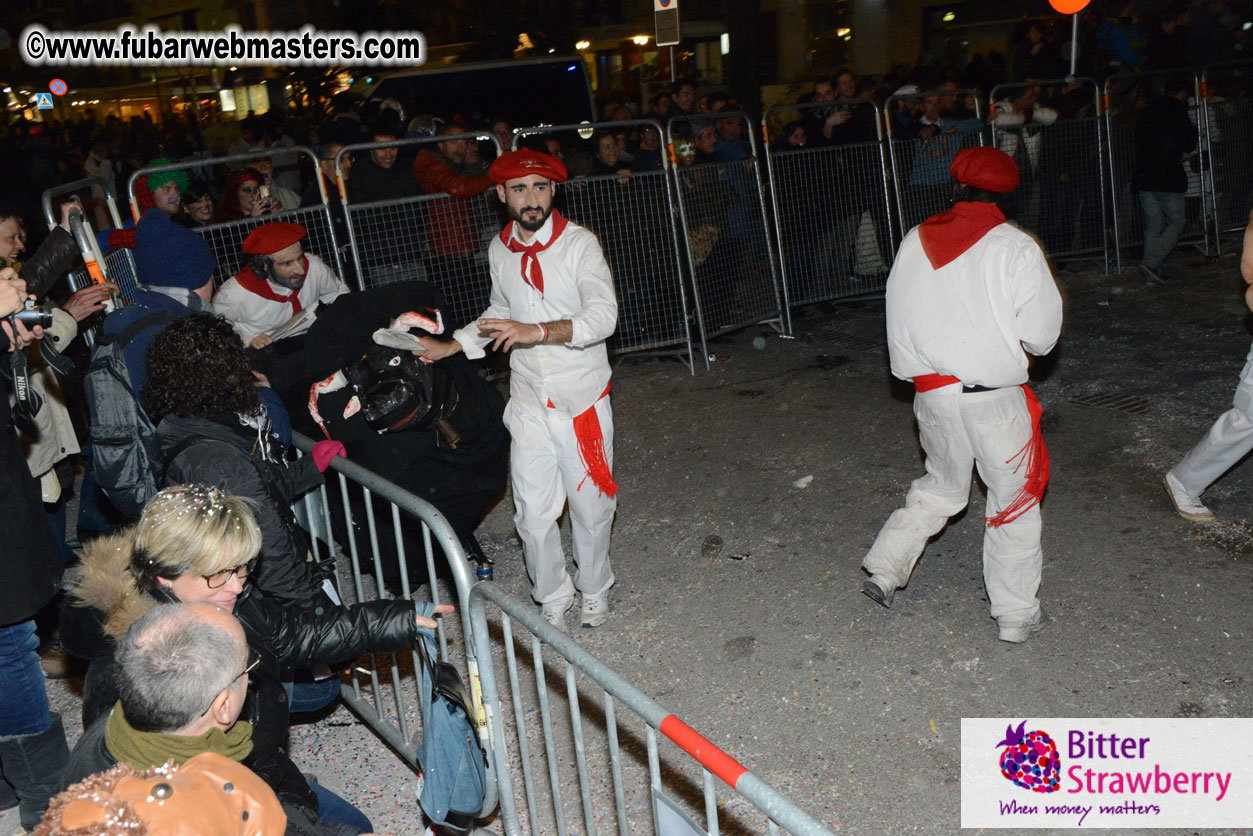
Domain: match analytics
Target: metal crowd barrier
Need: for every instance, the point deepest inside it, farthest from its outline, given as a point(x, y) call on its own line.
point(432, 237)
point(633, 218)
point(727, 242)
point(921, 153)
point(385, 695)
point(1125, 95)
point(1229, 136)
point(1062, 194)
point(577, 747)
point(832, 213)
point(226, 238)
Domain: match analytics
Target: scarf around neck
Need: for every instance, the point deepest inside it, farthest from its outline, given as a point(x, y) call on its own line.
point(530, 252)
point(144, 750)
point(251, 282)
point(947, 235)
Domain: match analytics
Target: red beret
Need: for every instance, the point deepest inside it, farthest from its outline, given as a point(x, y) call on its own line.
point(524, 162)
point(272, 237)
point(985, 168)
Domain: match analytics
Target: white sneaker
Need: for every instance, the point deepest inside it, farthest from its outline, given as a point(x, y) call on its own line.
point(555, 612)
point(595, 610)
point(1189, 507)
point(1019, 633)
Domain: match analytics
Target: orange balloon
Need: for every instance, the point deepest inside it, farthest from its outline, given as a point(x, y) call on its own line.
point(1069, 7)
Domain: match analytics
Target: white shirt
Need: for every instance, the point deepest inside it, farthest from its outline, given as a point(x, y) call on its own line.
point(577, 286)
point(973, 317)
point(252, 314)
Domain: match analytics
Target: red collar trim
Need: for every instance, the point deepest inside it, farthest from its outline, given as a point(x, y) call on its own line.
point(249, 281)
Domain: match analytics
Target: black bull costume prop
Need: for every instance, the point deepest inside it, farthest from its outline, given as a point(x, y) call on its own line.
point(433, 429)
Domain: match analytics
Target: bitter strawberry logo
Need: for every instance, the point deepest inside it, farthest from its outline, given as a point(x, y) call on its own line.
point(1030, 759)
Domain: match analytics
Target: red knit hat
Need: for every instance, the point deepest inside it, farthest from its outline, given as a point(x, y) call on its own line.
point(524, 162)
point(272, 237)
point(985, 168)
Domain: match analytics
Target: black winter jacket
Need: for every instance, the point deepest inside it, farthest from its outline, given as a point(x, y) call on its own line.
point(41, 270)
point(244, 463)
point(1163, 134)
point(32, 562)
point(286, 638)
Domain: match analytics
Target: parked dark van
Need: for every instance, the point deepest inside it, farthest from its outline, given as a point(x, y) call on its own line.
point(526, 92)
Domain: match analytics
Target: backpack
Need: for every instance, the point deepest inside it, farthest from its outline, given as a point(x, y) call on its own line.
point(122, 436)
point(454, 767)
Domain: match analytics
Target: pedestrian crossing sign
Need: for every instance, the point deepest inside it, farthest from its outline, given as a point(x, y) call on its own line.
point(43, 101)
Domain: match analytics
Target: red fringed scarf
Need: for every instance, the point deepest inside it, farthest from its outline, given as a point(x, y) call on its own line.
point(949, 234)
point(592, 448)
point(530, 252)
point(1035, 457)
point(248, 281)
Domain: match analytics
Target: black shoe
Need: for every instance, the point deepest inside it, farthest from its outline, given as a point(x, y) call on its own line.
point(878, 594)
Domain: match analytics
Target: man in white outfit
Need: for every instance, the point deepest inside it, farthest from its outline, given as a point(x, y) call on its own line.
point(552, 306)
point(968, 297)
point(279, 281)
point(1231, 437)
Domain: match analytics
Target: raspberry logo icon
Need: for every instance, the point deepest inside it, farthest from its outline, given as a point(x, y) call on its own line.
point(1030, 759)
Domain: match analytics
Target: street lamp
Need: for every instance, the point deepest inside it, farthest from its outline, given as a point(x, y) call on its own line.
point(640, 40)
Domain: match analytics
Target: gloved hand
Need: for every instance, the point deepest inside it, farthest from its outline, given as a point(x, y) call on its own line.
point(325, 451)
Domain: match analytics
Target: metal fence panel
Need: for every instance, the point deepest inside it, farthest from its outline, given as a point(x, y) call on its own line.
point(831, 214)
point(588, 757)
point(1062, 196)
point(1125, 95)
point(633, 216)
point(925, 131)
point(436, 237)
point(1229, 136)
point(726, 236)
point(369, 515)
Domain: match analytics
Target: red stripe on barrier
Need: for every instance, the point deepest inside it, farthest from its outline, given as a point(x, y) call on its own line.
point(698, 746)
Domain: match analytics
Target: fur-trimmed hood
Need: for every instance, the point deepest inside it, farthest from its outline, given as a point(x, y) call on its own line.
point(108, 586)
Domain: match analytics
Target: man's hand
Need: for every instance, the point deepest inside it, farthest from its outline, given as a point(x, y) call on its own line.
point(430, 623)
point(89, 300)
point(838, 117)
point(68, 208)
point(12, 292)
point(261, 341)
point(23, 337)
point(436, 349)
point(1246, 257)
point(261, 382)
point(506, 333)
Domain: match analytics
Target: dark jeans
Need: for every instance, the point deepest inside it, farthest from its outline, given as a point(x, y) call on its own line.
point(23, 700)
point(332, 808)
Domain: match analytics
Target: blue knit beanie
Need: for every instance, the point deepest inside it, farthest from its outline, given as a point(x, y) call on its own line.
point(169, 255)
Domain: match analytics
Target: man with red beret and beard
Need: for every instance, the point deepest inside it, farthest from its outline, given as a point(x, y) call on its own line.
point(968, 297)
point(553, 306)
point(279, 281)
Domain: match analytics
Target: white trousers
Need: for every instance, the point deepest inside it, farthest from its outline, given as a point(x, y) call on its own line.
point(987, 430)
point(546, 473)
point(1228, 441)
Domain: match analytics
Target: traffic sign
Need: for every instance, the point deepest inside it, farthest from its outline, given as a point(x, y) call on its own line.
point(666, 17)
point(43, 101)
point(58, 87)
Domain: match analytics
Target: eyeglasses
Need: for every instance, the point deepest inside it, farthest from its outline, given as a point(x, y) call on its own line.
point(254, 659)
point(220, 579)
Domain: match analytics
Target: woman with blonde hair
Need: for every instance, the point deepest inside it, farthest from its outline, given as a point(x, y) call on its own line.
point(196, 544)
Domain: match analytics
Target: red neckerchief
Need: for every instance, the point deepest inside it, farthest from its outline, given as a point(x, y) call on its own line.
point(949, 234)
point(248, 281)
point(530, 252)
